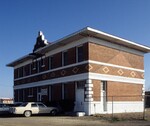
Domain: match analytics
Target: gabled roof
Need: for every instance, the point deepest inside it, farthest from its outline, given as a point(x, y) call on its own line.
point(85, 32)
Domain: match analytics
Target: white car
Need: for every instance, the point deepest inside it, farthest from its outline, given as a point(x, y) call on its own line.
point(29, 108)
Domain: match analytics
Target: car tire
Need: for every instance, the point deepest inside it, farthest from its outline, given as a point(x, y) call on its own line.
point(27, 113)
point(53, 112)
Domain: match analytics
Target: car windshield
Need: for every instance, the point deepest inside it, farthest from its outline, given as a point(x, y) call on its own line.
point(23, 104)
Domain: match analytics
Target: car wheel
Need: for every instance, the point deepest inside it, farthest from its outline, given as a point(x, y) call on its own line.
point(27, 113)
point(53, 112)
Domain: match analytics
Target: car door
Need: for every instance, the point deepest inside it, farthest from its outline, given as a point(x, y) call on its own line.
point(34, 108)
point(42, 108)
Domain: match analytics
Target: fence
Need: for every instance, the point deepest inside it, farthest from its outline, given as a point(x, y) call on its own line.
point(122, 107)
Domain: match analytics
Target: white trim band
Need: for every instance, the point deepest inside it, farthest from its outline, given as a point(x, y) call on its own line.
point(116, 78)
point(83, 76)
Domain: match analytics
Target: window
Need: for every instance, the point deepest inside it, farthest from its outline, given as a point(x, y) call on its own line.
point(34, 64)
point(51, 64)
point(64, 58)
point(42, 62)
point(24, 104)
point(33, 105)
point(27, 70)
point(30, 92)
point(41, 105)
point(20, 72)
point(80, 56)
point(104, 85)
point(16, 73)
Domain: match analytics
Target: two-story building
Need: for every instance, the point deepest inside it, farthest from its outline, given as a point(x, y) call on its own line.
point(89, 67)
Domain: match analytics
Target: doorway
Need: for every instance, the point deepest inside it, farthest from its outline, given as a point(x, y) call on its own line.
point(39, 96)
point(79, 96)
point(104, 95)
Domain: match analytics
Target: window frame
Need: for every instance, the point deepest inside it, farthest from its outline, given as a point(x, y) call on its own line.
point(65, 59)
point(34, 64)
point(50, 62)
point(42, 61)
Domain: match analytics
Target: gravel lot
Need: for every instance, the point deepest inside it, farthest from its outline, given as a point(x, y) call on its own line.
point(66, 121)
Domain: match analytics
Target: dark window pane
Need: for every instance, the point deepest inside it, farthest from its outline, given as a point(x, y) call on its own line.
point(65, 58)
point(80, 54)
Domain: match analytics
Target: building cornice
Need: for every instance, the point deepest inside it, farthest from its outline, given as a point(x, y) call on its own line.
point(85, 32)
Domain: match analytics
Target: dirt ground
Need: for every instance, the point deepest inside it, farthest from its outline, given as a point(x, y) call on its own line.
point(68, 121)
point(125, 119)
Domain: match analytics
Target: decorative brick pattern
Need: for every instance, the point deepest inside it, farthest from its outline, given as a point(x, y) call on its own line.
point(75, 70)
point(120, 72)
point(114, 56)
point(55, 74)
point(133, 74)
point(105, 69)
point(63, 72)
point(115, 71)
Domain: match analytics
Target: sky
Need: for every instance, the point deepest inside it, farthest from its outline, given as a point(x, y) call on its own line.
point(20, 21)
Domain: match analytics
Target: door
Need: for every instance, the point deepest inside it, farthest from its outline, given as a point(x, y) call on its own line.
point(104, 95)
point(79, 106)
point(42, 108)
point(35, 109)
point(39, 96)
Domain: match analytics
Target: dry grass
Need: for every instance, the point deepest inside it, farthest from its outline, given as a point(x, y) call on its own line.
point(125, 116)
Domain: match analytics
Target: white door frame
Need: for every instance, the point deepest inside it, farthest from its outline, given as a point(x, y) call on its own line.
point(79, 98)
point(39, 96)
point(103, 95)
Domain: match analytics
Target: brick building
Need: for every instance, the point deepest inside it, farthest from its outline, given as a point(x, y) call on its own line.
point(6, 100)
point(88, 67)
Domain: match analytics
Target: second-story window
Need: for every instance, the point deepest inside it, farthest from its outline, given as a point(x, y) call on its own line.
point(51, 62)
point(16, 73)
point(27, 70)
point(42, 62)
point(20, 72)
point(34, 64)
point(79, 53)
point(64, 58)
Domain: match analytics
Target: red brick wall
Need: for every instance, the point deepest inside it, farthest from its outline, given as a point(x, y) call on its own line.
point(114, 56)
point(57, 61)
point(118, 91)
point(56, 92)
point(124, 91)
point(96, 90)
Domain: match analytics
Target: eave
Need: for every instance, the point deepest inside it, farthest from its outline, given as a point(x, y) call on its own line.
point(85, 32)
